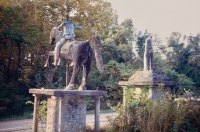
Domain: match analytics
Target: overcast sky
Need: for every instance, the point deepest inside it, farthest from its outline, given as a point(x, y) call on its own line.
point(161, 16)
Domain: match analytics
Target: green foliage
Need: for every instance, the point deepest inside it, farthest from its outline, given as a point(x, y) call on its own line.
point(125, 53)
point(90, 103)
point(106, 56)
point(185, 82)
point(125, 70)
point(54, 77)
point(12, 101)
point(128, 30)
point(158, 62)
point(42, 111)
point(131, 98)
point(25, 115)
point(143, 115)
point(24, 33)
point(120, 71)
point(140, 41)
point(111, 88)
point(113, 73)
point(182, 54)
point(111, 49)
point(193, 68)
point(95, 80)
point(121, 34)
point(19, 35)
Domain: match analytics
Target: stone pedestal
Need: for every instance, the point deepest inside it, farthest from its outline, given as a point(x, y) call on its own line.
point(52, 117)
point(66, 110)
point(73, 113)
point(156, 79)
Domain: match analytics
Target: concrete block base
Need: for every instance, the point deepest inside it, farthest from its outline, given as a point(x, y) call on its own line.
point(66, 110)
point(73, 116)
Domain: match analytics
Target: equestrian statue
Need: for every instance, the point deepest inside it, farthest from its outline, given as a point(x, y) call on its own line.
point(80, 53)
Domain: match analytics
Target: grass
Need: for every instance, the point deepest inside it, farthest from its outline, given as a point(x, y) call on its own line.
point(102, 111)
point(25, 115)
point(141, 114)
point(29, 115)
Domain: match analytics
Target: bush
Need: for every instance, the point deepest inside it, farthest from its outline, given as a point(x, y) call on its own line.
point(185, 82)
point(144, 115)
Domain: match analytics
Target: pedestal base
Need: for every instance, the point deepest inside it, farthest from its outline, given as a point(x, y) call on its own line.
point(66, 110)
point(160, 83)
point(66, 113)
point(73, 109)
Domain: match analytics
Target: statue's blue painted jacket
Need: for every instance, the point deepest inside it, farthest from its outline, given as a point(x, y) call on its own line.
point(68, 27)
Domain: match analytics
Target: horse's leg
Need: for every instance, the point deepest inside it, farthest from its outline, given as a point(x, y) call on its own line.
point(86, 70)
point(74, 73)
point(47, 61)
point(51, 53)
point(84, 78)
point(59, 61)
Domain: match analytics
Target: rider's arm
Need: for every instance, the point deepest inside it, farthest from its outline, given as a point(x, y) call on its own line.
point(77, 27)
point(60, 26)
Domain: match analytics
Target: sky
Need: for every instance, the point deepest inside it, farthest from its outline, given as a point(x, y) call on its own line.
point(161, 17)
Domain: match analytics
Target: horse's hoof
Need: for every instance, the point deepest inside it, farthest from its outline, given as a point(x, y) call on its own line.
point(72, 64)
point(69, 87)
point(55, 63)
point(82, 88)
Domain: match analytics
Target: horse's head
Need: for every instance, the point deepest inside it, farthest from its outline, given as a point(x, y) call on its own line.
point(55, 35)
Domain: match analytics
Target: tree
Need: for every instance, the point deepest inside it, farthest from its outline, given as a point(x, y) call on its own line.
point(18, 32)
point(182, 55)
point(192, 67)
point(185, 82)
point(123, 33)
point(24, 33)
point(140, 40)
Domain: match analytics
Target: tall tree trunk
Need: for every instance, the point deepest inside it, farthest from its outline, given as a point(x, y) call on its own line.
point(7, 71)
point(19, 64)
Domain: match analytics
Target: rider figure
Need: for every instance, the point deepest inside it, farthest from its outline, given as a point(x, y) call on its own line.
point(68, 36)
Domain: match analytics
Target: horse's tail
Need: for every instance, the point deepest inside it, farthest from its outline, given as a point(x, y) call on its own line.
point(98, 55)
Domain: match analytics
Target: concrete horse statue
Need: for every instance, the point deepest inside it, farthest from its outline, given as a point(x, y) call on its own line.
point(81, 54)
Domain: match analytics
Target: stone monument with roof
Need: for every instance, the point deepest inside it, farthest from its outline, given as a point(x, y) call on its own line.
point(150, 76)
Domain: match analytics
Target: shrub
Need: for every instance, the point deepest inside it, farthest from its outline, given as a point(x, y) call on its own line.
point(141, 114)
